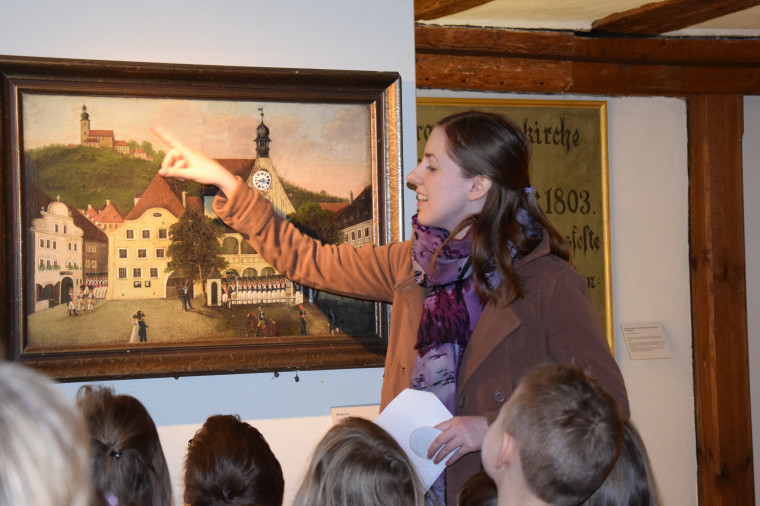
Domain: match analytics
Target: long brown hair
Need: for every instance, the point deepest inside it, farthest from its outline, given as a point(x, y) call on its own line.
point(493, 146)
point(126, 458)
point(229, 462)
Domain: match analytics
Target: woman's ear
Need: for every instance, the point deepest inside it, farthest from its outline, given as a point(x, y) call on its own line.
point(479, 186)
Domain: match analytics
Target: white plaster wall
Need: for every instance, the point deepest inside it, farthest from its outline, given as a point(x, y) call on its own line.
point(751, 161)
point(650, 275)
point(648, 195)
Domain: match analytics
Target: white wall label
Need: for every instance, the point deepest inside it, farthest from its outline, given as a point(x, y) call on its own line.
point(368, 411)
point(645, 341)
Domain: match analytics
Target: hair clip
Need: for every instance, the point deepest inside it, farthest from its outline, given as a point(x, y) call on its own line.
point(115, 455)
point(530, 189)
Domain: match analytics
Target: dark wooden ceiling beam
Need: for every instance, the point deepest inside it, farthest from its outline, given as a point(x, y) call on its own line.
point(478, 59)
point(489, 73)
point(434, 9)
point(468, 41)
point(565, 45)
point(662, 17)
point(704, 52)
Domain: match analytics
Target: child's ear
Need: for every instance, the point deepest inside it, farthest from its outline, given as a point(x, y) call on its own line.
point(479, 186)
point(507, 450)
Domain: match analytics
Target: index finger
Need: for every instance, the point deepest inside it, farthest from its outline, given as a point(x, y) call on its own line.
point(166, 137)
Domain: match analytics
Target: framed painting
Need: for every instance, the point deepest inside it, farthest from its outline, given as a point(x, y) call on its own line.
point(569, 170)
point(98, 282)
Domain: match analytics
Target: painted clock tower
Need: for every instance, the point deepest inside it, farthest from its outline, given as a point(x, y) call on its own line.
point(263, 176)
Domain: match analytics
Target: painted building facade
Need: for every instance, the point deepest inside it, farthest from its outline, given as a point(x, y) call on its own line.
point(137, 250)
point(58, 245)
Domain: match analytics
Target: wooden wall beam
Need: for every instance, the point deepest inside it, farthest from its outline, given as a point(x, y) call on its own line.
point(477, 59)
point(719, 305)
point(660, 17)
point(493, 73)
point(452, 40)
point(662, 80)
point(434, 9)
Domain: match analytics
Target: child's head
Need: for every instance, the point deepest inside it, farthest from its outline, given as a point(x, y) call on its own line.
point(564, 430)
point(631, 481)
point(127, 462)
point(229, 462)
point(358, 462)
point(44, 457)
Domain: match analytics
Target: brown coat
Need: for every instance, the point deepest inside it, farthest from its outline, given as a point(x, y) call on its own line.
point(553, 322)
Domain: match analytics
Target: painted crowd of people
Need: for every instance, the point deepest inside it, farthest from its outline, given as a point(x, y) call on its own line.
point(244, 290)
point(83, 301)
point(98, 284)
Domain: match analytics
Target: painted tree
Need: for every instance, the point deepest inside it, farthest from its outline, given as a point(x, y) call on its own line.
point(195, 248)
point(316, 222)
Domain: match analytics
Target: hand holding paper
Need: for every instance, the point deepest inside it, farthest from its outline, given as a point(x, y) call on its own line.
point(411, 419)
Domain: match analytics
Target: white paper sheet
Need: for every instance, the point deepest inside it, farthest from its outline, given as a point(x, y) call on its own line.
point(410, 410)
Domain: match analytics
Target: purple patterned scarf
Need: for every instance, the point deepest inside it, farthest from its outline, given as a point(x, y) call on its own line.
point(450, 313)
point(452, 308)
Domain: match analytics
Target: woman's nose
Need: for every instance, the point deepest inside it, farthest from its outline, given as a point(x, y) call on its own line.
point(412, 178)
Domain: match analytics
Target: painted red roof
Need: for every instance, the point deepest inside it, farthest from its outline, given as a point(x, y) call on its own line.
point(195, 205)
point(157, 194)
point(333, 207)
point(101, 133)
point(110, 214)
point(238, 166)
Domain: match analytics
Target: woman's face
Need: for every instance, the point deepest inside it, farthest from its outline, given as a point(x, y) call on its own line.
point(443, 193)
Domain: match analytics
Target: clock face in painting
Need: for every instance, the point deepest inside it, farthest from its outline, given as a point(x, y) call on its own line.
point(262, 180)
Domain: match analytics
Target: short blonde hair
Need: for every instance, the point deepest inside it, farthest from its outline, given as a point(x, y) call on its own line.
point(44, 448)
point(358, 462)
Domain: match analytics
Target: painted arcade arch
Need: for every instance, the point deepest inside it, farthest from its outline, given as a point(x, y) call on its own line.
point(230, 246)
point(250, 272)
point(268, 271)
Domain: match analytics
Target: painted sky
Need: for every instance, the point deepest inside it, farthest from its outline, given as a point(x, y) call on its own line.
point(319, 146)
